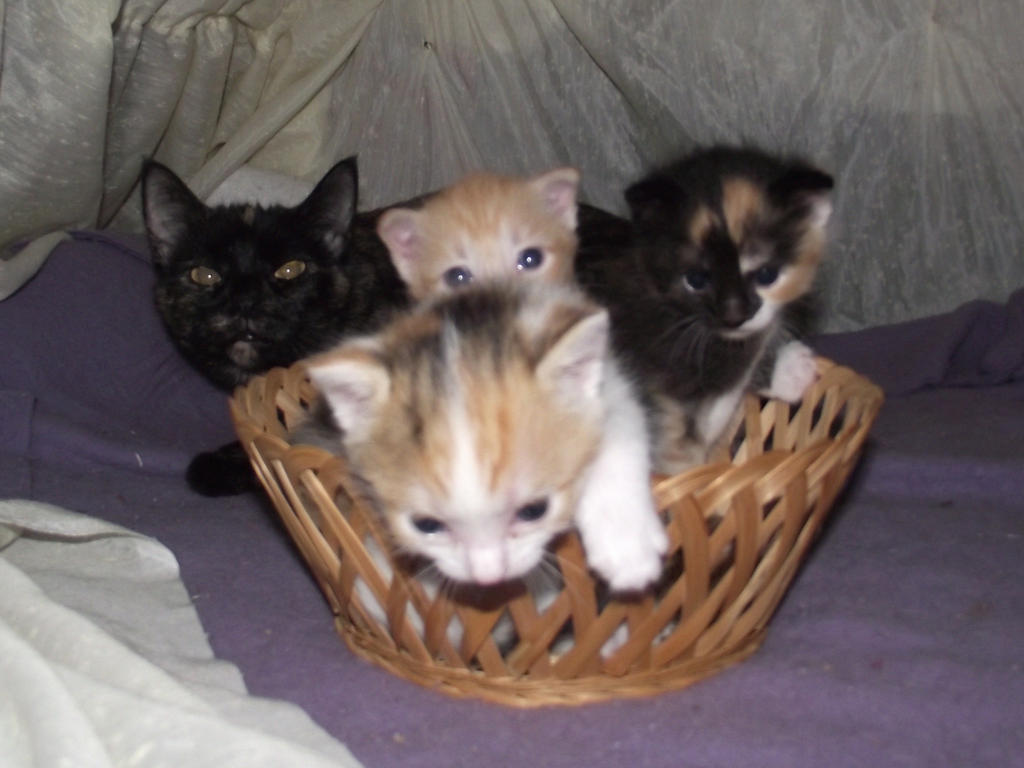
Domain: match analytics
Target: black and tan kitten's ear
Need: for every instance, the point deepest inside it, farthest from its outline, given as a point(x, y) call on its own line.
point(354, 384)
point(808, 188)
point(169, 209)
point(402, 232)
point(331, 205)
point(558, 190)
point(653, 199)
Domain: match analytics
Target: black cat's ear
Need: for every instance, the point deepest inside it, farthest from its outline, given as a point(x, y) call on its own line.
point(807, 187)
point(169, 207)
point(332, 204)
point(653, 199)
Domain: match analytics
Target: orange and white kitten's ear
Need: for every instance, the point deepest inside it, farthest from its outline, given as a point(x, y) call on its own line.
point(401, 229)
point(355, 385)
point(558, 189)
point(574, 367)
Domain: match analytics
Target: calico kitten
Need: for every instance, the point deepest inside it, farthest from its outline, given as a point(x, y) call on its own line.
point(485, 227)
point(489, 420)
point(726, 244)
point(242, 288)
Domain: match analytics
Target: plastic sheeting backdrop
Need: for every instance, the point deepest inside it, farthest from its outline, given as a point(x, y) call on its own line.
point(914, 106)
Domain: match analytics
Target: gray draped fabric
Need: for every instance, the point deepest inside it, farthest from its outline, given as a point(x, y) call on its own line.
point(915, 105)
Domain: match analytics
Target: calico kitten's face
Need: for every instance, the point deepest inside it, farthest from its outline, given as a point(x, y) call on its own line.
point(242, 288)
point(730, 237)
point(486, 227)
point(471, 421)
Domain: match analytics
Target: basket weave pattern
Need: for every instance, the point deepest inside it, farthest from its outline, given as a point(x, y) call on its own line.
point(738, 530)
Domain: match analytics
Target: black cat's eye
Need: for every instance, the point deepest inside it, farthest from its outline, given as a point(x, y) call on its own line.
point(697, 279)
point(290, 270)
point(766, 274)
point(428, 525)
point(456, 277)
point(529, 258)
point(204, 276)
point(535, 510)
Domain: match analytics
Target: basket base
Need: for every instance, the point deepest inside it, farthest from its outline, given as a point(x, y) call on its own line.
point(525, 693)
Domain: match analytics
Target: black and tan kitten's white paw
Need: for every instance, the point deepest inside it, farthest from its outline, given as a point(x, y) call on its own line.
point(795, 371)
point(223, 472)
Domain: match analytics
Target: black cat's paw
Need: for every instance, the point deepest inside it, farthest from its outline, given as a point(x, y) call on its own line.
point(223, 472)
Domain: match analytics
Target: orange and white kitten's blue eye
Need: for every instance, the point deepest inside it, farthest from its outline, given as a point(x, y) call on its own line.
point(204, 276)
point(766, 274)
point(457, 277)
point(697, 279)
point(428, 525)
point(533, 511)
point(529, 258)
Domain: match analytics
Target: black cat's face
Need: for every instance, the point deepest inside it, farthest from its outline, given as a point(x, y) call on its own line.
point(730, 237)
point(242, 288)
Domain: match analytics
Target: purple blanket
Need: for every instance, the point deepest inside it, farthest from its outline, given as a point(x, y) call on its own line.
point(899, 644)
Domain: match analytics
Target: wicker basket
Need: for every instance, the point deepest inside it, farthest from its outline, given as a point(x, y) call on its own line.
point(738, 530)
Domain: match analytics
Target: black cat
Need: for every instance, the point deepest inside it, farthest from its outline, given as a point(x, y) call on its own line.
point(724, 249)
point(243, 288)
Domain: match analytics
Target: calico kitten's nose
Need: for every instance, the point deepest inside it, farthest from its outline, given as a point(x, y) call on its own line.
point(733, 312)
point(487, 564)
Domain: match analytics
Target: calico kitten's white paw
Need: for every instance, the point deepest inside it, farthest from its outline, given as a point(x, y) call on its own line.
point(795, 371)
point(624, 549)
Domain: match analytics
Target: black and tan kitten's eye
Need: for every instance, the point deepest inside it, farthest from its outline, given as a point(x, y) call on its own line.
point(535, 510)
point(766, 274)
point(456, 277)
point(697, 279)
point(428, 525)
point(529, 258)
point(290, 270)
point(204, 276)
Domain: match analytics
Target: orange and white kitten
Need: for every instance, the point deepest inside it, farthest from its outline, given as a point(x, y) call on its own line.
point(485, 227)
point(487, 421)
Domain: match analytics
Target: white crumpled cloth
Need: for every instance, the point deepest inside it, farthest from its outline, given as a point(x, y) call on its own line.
point(103, 661)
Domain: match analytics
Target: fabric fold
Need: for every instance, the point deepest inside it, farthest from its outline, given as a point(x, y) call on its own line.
point(103, 662)
point(979, 344)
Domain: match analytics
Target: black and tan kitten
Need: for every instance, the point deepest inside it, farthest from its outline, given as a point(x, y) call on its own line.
point(243, 288)
point(725, 246)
